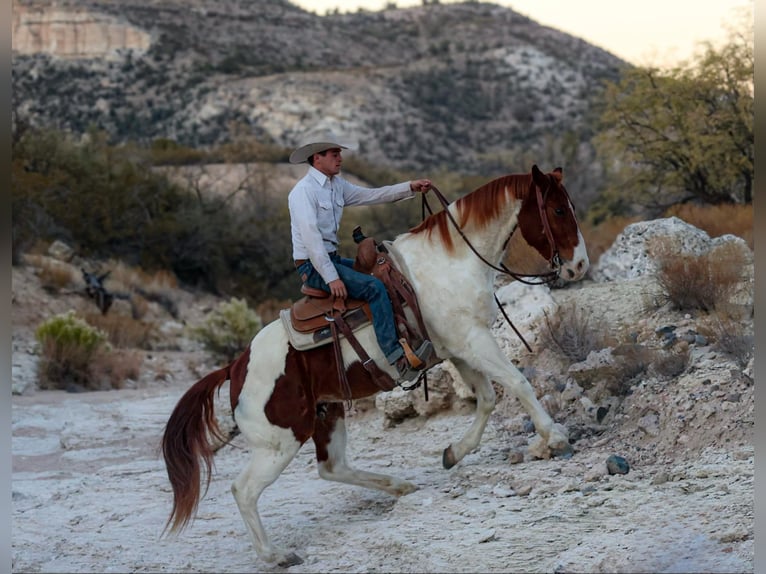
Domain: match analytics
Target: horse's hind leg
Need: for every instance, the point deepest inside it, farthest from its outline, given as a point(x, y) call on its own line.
point(485, 402)
point(267, 462)
point(330, 440)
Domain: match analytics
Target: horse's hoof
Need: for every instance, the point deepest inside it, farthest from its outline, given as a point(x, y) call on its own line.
point(291, 559)
point(558, 443)
point(448, 458)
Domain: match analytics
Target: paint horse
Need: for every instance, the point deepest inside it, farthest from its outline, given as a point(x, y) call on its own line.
point(282, 397)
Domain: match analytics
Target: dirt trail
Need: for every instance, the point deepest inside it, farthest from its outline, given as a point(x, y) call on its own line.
point(90, 494)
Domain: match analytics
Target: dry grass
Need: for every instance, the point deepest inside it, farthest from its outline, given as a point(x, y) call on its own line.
point(129, 278)
point(64, 366)
point(522, 258)
point(72, 368)
point(113, 368)
point(671, 363)
point(268, 310)
point(728, 337)
point(55, 275)
point(717, 220)
point(122, 331)
point(689, 282)
point(574, 333)
point(157, 286)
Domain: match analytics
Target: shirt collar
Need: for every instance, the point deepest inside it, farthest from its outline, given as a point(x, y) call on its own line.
point(321, 178)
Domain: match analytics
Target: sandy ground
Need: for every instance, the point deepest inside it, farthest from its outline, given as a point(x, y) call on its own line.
point(90, 494)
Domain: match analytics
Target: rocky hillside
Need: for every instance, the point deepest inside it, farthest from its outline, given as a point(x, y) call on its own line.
point(471, 86)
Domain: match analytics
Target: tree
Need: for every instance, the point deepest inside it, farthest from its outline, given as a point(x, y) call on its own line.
point(684, 134)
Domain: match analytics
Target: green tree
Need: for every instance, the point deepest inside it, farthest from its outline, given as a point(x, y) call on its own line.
point(683, 134)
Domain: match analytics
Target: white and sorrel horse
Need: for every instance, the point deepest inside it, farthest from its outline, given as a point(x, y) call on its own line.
point(451, 261)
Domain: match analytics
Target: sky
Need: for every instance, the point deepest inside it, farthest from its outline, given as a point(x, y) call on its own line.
point(646, 32)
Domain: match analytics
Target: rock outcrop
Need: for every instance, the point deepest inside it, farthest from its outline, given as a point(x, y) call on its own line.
point(74, 33)
point(630, 256)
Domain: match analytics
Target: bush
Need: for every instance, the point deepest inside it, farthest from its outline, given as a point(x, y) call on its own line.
point(705, 282)
point(229, 329)
point(729, 338)
point(69, 347)
point(672, 363)
point(574, 333)
point(55, 276)
point(123, 331)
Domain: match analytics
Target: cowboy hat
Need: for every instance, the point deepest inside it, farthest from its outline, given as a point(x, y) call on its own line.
point(316, 143)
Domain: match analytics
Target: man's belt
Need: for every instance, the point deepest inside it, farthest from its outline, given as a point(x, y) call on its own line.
point(299, 262)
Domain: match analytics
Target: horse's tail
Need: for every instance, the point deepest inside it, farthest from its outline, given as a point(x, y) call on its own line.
point(186, 443)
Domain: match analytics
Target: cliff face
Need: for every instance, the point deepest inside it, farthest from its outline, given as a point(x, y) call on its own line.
point(74, 33)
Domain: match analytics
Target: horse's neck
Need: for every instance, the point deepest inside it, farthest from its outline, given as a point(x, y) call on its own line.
point(490, 238)
point(432, 251)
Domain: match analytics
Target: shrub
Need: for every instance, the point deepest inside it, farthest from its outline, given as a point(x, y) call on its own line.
point(670, 364)
point(729, 338)
point(229, 329)
point(689, 281)
point(54, 275)
point(115, 367)
point(574, 333)
point(69, 347)
point(122, 331)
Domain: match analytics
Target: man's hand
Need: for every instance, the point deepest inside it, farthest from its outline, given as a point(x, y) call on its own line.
point(421, 185)
point(338, 289)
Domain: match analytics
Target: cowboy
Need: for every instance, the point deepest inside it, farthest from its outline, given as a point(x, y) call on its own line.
point(316, 205)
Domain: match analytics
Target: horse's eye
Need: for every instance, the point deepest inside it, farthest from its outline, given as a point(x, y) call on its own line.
point(559, 211)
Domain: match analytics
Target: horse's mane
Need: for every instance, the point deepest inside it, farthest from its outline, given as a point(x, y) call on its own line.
point(477, 208)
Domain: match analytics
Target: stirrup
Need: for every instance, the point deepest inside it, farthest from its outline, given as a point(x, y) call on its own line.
point(417, 360)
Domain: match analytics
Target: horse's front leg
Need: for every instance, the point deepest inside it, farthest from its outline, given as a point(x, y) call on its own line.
point(485, 403)
point(483, 354)
point(330, 440)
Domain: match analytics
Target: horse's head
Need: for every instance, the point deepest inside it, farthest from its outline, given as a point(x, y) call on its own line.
point(548, 224)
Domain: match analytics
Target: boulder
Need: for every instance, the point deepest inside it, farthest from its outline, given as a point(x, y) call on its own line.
point(629, 258)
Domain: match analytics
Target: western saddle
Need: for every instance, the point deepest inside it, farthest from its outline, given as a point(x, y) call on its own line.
point(326, 317)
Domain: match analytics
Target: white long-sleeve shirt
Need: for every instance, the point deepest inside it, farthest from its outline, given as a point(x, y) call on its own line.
point(316, 206)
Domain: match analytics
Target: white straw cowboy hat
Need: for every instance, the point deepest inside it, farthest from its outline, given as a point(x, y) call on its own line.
point(317, 142)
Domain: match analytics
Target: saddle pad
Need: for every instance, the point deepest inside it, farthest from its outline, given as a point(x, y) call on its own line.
point(303, 341)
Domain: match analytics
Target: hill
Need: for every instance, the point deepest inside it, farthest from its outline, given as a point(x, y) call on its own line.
point(472, 87)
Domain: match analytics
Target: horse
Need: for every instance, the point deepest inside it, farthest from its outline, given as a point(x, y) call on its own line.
point(281, 397)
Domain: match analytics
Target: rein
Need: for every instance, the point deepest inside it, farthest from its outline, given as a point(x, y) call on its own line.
point(555, 260)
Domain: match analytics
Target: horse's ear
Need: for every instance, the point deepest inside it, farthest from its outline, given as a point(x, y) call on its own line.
point(558, 173)
point(538, 176)
point(535, 170)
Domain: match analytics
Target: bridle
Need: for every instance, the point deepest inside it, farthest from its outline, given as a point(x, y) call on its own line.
point(554, 261)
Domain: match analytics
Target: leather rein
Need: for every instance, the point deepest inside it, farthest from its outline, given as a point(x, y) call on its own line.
point(554, 261)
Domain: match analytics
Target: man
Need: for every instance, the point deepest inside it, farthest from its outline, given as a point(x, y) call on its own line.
point(316, 205)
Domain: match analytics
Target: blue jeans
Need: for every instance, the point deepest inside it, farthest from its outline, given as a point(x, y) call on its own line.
point(365, 288)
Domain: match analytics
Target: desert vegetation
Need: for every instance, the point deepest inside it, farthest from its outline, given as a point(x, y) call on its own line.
point(228, 329)
point(703, 282)
point(77, 356)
